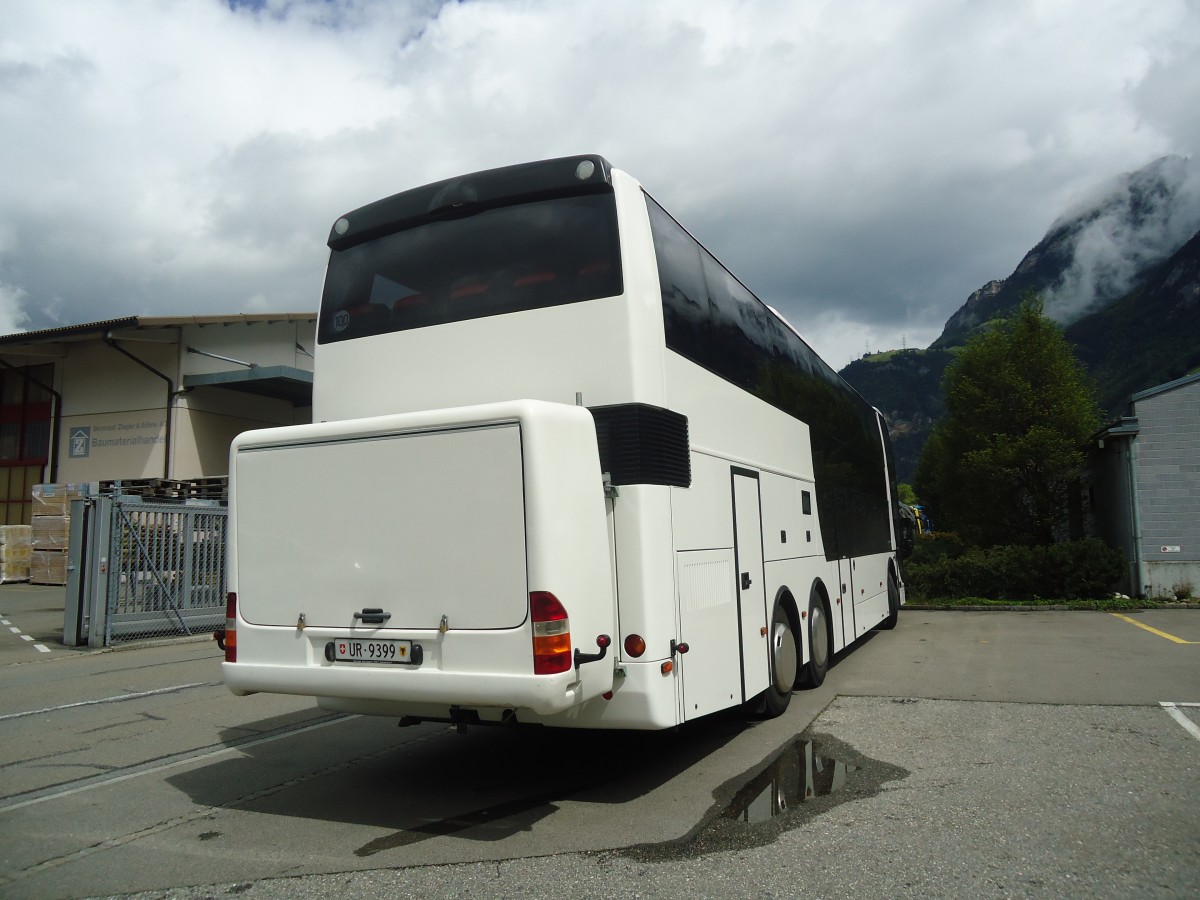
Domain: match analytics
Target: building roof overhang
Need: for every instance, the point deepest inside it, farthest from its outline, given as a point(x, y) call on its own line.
point(279, 382)
point(1124, 427)
point(143, 323)
point(1164, 388)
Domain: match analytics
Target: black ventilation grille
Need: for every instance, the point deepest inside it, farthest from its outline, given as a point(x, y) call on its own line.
point(642, 444)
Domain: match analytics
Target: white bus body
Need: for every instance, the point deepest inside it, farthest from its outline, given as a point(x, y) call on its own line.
point(515, 461)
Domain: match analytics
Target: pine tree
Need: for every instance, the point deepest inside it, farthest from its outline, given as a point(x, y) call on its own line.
point(999, 466)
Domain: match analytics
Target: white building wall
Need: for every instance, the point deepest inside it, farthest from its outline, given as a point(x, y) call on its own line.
point(114, 412)
point(114, 416)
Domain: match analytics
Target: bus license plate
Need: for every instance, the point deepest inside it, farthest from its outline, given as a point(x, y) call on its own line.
point(363, 651)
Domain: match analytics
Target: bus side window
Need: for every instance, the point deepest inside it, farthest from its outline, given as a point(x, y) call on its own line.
point(686, 314)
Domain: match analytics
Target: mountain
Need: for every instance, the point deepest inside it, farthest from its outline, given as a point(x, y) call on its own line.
point(906, 387)
point(1096, 253)
point(1148, 337)
point(1120, 272)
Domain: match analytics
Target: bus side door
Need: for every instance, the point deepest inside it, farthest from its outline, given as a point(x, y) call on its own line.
point(750, 577)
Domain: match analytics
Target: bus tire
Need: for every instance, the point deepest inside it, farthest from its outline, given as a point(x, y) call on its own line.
point(813, 673)
point(893, 615)
point(785, 655)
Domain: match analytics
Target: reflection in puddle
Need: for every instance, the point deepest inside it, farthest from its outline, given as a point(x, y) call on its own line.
point(808, 777)
point(798, 774)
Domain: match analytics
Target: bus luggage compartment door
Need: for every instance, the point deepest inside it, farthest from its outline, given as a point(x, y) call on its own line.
point(708, 615)
point(421, 525)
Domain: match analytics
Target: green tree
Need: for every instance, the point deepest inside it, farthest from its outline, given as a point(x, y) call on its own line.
point(999, 465)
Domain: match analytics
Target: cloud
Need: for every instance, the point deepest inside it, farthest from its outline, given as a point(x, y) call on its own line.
point(12, 317)
point(1120, 230)
point(862, 165)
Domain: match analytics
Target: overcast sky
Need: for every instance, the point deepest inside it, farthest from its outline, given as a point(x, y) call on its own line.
point(863, 165)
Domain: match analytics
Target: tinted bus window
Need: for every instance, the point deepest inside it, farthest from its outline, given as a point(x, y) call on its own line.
point(735, 336)
point(499, 260)
point(681, 280)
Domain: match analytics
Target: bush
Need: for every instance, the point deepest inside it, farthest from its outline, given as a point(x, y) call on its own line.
point(1074, 570)
point(938, 545)
point(1082, 570)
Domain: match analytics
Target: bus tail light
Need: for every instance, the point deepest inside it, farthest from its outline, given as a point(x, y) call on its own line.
point(551, 634)
point(230, 639)
point(635, 645)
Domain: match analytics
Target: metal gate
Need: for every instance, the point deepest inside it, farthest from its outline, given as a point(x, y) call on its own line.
point(144, 569)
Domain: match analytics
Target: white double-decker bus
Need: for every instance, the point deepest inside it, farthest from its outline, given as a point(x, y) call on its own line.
point(564, 469)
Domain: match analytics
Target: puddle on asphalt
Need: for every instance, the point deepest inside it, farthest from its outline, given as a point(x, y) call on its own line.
point(808, 777)
point(801, 773)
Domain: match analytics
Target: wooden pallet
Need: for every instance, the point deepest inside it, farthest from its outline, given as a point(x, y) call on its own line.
point(171, 489)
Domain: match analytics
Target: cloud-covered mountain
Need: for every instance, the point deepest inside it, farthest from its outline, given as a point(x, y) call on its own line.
point(1096, 252)
point(1120, 271)
point(1149, 336)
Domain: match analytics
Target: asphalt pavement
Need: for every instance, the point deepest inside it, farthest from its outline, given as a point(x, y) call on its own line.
point(964, 754)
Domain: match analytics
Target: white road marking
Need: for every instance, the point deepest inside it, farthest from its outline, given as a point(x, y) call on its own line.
point(174, 764)
point(1188, 725)
point(25, 637)
point(117, 699)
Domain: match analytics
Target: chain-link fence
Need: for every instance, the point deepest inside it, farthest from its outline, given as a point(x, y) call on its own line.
point(147, 569)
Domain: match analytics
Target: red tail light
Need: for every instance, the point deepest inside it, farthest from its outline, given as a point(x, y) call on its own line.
point(231, 627)
point(551, 634)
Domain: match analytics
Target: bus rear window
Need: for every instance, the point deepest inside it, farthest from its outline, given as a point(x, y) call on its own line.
point(499, 260)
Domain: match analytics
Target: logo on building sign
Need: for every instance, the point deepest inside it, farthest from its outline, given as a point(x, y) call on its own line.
point(81, 443)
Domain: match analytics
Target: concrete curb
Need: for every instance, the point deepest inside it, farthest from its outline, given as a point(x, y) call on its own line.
point(1054, 607)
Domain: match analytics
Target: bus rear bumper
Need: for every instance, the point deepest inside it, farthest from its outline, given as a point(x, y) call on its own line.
point(541, 694)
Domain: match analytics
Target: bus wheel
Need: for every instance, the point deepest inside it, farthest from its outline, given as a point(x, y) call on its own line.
point(813, 673)
point(784, 655)
point(893, 615)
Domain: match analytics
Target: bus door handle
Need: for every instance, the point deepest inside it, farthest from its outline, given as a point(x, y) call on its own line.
point(372, 616)
point(746, 582)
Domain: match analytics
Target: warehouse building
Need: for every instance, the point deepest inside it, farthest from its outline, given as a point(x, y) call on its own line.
point(1145, 488)
point(144, 397)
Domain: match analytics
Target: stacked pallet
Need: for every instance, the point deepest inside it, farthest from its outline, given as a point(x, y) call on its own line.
point(170, 489)
point(16, 552)
point(51, 531)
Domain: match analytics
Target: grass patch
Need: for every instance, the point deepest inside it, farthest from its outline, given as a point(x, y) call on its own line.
point(1112, 604)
